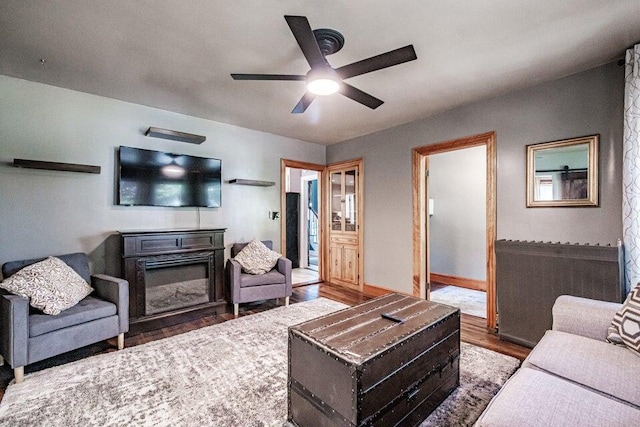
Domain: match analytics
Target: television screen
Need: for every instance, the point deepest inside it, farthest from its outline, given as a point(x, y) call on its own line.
point(153, 178)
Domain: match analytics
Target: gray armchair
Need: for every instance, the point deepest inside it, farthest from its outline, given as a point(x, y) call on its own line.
point(245, 287)
point(27, 335)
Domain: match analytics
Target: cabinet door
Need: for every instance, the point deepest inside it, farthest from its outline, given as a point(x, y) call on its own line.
point(350, 199)
point(343, 200)
point(336, 261)
point(336, 208)
point(350, 264)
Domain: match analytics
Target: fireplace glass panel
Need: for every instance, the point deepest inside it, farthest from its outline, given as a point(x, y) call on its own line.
point(175, 287)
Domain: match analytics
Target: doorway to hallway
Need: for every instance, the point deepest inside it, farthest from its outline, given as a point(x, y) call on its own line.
point(301, 231)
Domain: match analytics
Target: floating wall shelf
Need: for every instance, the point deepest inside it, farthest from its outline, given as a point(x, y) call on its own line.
point(54, 166)
point(252, 182)
point(175, 135)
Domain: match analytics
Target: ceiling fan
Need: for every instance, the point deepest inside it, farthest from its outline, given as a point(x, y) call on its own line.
point(322, 79)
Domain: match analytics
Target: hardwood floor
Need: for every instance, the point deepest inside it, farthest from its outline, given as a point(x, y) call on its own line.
point(473, 329)
point(303, 276)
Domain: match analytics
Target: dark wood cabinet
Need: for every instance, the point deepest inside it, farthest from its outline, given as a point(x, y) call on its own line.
point(174, 275)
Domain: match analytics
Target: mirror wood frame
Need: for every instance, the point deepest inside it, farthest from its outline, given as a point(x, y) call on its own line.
point(592, 199)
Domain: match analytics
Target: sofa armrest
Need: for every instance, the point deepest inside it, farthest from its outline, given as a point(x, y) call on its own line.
point(582, 316)
point(114, 290)
point(14, 329)
point(284, 267)
point(234, 270)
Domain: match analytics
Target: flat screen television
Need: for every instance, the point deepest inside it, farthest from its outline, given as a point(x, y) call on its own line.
point(154, 178)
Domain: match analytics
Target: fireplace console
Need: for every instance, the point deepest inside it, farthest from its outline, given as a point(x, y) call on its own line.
point(174, 276)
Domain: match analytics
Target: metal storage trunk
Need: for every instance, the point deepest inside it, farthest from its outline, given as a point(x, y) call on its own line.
point(386, 362)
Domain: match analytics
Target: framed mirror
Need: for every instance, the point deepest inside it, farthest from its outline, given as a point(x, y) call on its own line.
point(563, 173)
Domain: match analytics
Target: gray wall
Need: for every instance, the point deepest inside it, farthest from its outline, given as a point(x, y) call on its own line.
point(295, 186)
point(51, 212)
point(586, 103)
point(457, 185)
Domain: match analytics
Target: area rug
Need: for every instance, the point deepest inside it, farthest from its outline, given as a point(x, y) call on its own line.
point(230, 374)
point(469, 301)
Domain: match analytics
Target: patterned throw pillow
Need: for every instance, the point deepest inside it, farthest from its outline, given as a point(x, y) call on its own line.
point(256, 258)
point(625, 327)
point(51, 285)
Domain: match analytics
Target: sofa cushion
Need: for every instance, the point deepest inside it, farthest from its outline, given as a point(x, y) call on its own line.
point(256, 258)
point(271, 278)
point(625, 327)
point(592, 363)
point(535, 398)
point(85, 311)
point(51, 285)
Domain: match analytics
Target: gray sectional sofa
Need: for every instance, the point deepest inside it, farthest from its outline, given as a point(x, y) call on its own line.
point(572, 377)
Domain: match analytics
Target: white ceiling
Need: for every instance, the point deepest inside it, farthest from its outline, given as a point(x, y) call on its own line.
point(177, 55)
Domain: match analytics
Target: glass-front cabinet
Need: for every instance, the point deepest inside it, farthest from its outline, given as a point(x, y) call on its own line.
point(344, 201)
point(344, 233)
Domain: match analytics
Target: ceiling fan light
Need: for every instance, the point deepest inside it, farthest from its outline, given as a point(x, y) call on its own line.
point(326, 85)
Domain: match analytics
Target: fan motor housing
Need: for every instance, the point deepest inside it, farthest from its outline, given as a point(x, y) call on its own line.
point(330, 41)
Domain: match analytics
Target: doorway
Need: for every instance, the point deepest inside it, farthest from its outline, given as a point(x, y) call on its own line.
point(301, 225)
point(456, 194)
point(421, 231)
point(311, 191)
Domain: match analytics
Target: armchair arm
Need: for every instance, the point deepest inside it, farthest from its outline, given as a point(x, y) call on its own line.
point(234, 270)
point(14, 329)
point(284, 267)
point(116, 291)
point(582, 316)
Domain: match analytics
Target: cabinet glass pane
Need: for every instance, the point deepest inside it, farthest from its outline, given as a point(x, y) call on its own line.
point(350, 216)
point(336, 201)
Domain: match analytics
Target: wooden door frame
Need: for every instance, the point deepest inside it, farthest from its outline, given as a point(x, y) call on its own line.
point(359, 163)
point(420, 229)
point(295, 164)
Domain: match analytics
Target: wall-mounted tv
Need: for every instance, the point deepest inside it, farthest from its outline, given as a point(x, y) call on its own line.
point(154, 178)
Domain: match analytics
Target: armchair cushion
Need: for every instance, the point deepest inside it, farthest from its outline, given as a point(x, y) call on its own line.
point(86, 310)
point(51, 285)
point(256, 258)
point(271, 278)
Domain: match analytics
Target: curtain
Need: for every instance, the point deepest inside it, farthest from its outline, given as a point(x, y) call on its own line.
point(631, 168)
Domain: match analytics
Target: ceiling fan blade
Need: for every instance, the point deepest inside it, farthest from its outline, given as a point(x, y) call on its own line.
point(378, 62)
point(267, 77)
point(304, 103)
point(301, 30)
point(360, 96)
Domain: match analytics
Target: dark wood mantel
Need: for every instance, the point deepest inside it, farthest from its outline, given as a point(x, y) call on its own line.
point(152, 250)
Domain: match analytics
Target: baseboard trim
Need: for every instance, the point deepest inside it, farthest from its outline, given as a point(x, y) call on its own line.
point(463, 282)
point(378, 291)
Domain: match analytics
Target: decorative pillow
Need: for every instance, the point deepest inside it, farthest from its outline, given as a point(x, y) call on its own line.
point(256, 258)
point(625, 327)
point(51, 285)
